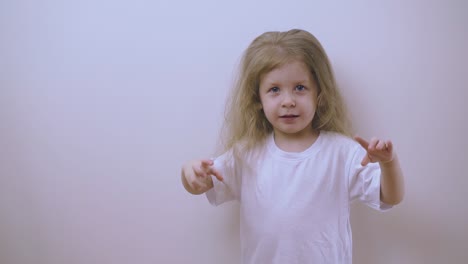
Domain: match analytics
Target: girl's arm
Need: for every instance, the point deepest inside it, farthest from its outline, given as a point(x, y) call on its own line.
point(391, 182)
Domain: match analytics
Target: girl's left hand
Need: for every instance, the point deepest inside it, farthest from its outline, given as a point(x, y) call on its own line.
point(377, 150)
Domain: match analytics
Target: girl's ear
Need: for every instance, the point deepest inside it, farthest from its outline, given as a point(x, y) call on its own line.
point(259, 106)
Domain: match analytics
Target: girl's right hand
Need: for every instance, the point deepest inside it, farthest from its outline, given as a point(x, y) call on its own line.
point(196, 175)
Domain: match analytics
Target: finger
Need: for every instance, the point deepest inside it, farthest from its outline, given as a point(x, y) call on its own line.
point(381, 145)
point(199, 171)
point(389, 146)
point(217, 174)
point(362, 142)
point(372, 144)
point(365, 160)
point(206, 163)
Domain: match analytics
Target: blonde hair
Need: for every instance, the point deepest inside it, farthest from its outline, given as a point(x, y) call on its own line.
point(245, 125)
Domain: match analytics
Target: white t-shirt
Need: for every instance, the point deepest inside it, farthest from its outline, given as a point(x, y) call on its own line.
point(295, 206)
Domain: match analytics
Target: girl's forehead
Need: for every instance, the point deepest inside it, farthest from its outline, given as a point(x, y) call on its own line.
point(294, 70)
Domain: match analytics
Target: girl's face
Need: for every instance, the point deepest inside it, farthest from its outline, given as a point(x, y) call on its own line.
point(288, 96)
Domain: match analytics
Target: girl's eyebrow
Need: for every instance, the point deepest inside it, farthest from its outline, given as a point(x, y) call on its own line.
point(274, 83)
point(270, 83)
point(302, 81)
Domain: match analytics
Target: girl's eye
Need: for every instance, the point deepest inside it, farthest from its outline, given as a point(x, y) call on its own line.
point(274, 89)
point(300, 88)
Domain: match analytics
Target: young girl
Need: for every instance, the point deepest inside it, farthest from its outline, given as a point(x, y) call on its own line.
point(288, 158)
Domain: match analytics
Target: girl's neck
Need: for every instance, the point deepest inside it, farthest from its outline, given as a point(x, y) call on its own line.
point(296, 142)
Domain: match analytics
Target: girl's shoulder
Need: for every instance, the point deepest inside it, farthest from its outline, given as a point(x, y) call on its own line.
point(337, 141)
point(242, 150)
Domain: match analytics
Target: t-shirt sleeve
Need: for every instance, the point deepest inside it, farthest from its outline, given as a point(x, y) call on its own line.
point(228, 189)
point(364, 181)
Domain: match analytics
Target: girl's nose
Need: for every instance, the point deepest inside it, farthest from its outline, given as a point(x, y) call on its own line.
point(288, 100)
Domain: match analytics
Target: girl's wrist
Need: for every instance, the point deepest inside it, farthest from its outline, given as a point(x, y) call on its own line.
point(389, 163)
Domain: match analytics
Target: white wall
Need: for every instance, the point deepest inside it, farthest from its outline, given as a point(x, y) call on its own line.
point(102, 101)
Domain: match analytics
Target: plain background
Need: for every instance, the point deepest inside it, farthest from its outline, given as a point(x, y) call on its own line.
point(102, 101)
